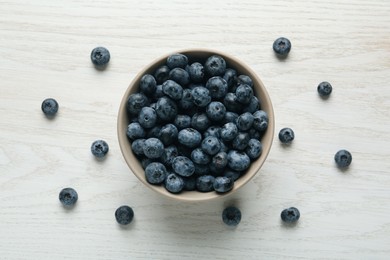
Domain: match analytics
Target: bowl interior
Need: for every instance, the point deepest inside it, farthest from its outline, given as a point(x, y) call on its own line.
point(199, 55)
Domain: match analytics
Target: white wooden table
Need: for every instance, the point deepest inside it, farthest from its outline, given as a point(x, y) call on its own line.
point(44, 52)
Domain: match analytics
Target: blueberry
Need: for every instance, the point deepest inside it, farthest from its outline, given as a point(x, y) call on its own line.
point(343, 158)
point(153, 105)
point(177, 61)
point(215, 66)
point(169, 154)
point(201, 169)
point(254, 149)
point(68, 197)
point(145, 162)
point(200, 121)
point(174, 183)
point(231, 103)
point(159, 92)
point(211, 145)
point(189, 183)
point(148, 85)
point(205, 183)
point(244, 94)
point(183, 166)
point(244, 121)
point(49, 107)
point(260, 120)
point(217, 87)
point(100, 56)
point(182, 121)
point(254, 134)
point(137, 146)
point(230, 117)
point(162, 74)
point(196, 72)
point(234, 175)
point(154, 132)
point(180, 76)
point(153, 148)
point(166, 109)
point(223, 184)
point(290, 215)
point(201, 96)
point(189, 137)
point(172, 89)
point(216, 111)
point(238, 161)
point(186, 101)
point(253, 105)
point(124, 215)
point(99, 148)
point(286, 135)
point(231, 216)
point(241, 141)
point(224, 147)
point(168, 134)
point(324, 89)
point(136, 102)
point(147, 118)
point(199, 156)
point(219, 161)
point(282, 46)
point(229, 131)
point(213, 131)
point(244, 79)
point(155, 173)
point(230, 77)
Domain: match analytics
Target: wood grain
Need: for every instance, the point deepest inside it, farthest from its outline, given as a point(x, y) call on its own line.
point(44, 50)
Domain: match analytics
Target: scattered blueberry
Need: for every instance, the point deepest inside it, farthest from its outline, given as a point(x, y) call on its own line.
point(183, 166)
point(155, 173)
point(148, 85)
point(99, 148)
point(162, 74)
point(174, 183)
point(211, 145)
point(100, 56)
point(215, 66)
point(260, 120)
point(49, 107)
point(136, 102)
point(324, 89)
point(205, 183)
point(153, 148)
point(254, 149)
point(343, 158)
point(68, 197)
point(196, 72)
point(200, 121)
point(286, 135)
point(199, 156)
point(201, 96)
point(172, 89)
point(168, 134)
point(290, 215)
point(217, 86)
point(223, 184)
point(177, 61)
point(216, 111)
point(229, 131)
point(244, 94)
point(124, 215)
point(180, 76)
point(238, 161)
point(189, 137)
point(147, 117)
point(231, 216)
point(282, 46)
point(137, 146)
point(166, 109)
point(244, 121)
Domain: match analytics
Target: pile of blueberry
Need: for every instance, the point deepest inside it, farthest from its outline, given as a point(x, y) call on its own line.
point(195, 126)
